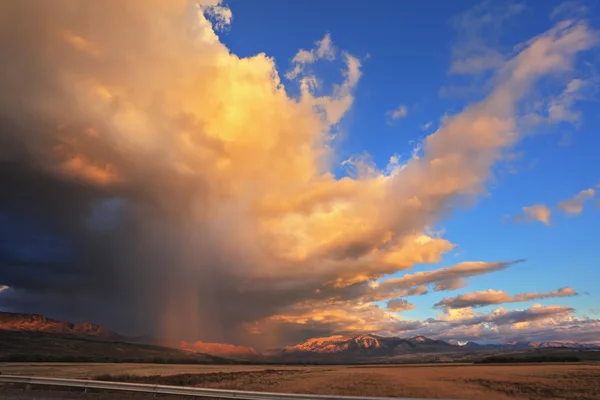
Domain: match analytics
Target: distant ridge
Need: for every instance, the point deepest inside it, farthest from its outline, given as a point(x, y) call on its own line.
point(221, 349)
point(34, 338)
point(39, 323)
point(533, 345)
point(38, 334)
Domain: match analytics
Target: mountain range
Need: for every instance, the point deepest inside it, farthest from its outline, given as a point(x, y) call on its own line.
point(39, 323)
point(357, 348)
point(381, 348)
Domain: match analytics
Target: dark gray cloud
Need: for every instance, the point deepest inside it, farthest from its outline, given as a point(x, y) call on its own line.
point(399, 305)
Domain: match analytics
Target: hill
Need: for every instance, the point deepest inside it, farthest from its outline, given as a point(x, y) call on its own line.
point(38, 323)
point(41, 346)
point(32, 337)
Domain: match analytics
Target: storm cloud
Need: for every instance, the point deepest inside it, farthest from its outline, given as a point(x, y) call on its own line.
point(154, 182)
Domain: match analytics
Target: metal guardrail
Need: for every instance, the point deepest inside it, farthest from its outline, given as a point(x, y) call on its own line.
point(178, 390)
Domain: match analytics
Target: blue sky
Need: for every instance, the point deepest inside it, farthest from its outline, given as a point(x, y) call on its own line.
point(172, 146)
point(407, 53)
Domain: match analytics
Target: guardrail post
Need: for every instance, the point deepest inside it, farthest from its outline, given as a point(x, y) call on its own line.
point(28, 387)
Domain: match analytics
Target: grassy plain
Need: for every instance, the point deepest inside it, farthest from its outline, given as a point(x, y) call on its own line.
point(458, 381)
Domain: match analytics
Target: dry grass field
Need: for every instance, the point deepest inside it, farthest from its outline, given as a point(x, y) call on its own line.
point(90, 370)
point(489, 382)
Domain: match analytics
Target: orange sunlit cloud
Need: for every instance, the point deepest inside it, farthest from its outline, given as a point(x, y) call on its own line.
point(232, 176)
point(491, 296)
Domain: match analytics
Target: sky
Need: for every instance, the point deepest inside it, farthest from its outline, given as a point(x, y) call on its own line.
point(263, 172)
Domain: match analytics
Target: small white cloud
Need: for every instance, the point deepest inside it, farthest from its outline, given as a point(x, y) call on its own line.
point(221, 15)
point(323, 50)
point(426, 125)
point(536, 212)
point(569, 9)
point(331, 108)
point(561, 107)
point(398, 113)
point(575, 204)
point(476, 29)
point(479, 61)
point(326, 50)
